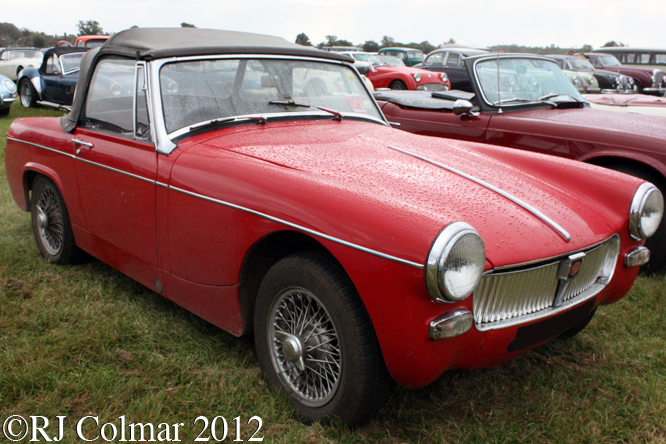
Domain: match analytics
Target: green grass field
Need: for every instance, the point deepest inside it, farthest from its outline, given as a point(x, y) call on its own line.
point(85, 340)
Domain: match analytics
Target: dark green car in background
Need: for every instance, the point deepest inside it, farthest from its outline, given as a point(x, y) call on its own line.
point(409, 56)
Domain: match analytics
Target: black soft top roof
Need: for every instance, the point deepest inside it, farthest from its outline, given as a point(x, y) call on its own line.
point(59, 50)
point(156, 43)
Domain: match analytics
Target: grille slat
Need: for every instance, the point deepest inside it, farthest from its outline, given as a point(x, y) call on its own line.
point(509, 297)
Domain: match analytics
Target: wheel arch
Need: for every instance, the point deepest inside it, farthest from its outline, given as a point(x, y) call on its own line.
point(651, 168)
point(30, 173)
point(262, 256)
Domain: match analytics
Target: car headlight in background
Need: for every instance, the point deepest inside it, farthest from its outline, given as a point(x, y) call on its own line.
point(444, 77)
point(646, 212)
point(455, 263)
point(417, 77)
point(9, 86)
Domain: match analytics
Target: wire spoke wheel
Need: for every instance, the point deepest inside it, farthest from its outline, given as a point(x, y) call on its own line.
point(305, 347)
point(50, 221)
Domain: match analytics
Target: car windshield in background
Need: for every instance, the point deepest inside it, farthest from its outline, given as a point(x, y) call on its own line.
point(524, 80)
point(205, 90)
point(609, 60)
point(414, 54)
point(24, 54)
point(581, 63)
point(71, 62)
point(383, 60)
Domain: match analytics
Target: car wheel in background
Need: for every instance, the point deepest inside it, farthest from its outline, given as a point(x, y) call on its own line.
point(27, 93)
point(315, 342)
point(50, 223)
point(398, 85)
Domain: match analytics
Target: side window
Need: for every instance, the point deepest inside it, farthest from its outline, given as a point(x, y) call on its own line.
point(453, 59)
point(595, 62)
point(435, 59)
point(110, 100)
point(400, 55)
point(52, 65)
point(659, 59)
point(3, 56)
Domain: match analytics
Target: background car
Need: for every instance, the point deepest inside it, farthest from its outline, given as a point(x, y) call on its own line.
point(7, 95)
point(90, 41)
point(607, 81)
point(13, 60)
point(54, 82)
point(629, 103)
point(647, 81)
point(256, 183)
point(653, 58)
point(409, 56)
point(527, 102)
point(390, 72)
point(450, 61)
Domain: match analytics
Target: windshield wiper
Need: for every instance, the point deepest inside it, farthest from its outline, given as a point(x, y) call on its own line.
point(551, 95)
point(260, 119)
point(338, 115)
point(514, 99)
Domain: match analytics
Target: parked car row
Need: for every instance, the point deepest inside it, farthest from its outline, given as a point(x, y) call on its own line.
point(258, 184)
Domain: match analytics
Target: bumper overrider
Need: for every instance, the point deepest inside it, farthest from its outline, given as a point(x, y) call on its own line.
point(521, 294)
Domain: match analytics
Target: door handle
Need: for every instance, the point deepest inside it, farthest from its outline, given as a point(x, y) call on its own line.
point(81, 144)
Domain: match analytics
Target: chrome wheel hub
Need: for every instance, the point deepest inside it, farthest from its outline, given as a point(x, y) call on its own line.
point(304, 346)
point(49, 222)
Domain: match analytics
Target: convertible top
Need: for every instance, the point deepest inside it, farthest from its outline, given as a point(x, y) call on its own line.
point(438, 100)
point(156, 43)
point(59, 50)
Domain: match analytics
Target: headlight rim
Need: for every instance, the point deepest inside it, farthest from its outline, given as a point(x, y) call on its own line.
point(643, 193)
point(441, 247)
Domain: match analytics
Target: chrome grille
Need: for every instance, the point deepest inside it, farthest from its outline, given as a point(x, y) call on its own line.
point(433, 87)
point(513, 296)
point(658, 78)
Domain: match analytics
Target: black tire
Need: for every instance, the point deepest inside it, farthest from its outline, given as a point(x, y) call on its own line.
point(307, 312)
point(27, 93)
point(50, 223)
point(4, 112)
point(657, 243)
point(398, 85)
point(573, 331)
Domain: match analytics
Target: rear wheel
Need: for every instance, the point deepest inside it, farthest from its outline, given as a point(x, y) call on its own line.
point(315, 342)
point(50, 223)
point(27, 93)
point(398, 85)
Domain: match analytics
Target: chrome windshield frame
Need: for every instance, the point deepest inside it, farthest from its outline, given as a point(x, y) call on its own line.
point(164, 140)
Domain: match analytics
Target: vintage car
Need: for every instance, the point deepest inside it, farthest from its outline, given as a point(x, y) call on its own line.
point(90, 41)
point(7, 95)
point(647, 80)
point(390, 72)
point(629, 103)
point(526, 102)
point(607, 81)
point(54, 82)
point(450, 61)
point(409, 56)
point(256, 183)
point(13, 60)
point(653, 58)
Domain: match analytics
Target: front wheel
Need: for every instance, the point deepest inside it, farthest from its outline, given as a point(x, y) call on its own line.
point(398, 85)
point(27, 93)
point(50, 223)
point(316, 344)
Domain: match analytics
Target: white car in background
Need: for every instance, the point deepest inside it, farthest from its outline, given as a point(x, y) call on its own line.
point(13, 60)
point(629, 103)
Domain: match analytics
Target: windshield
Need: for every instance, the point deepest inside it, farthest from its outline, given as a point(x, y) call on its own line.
point(523, 80)
point(71, 62)
point(361, 56)
point(25, 54)
point(204, 90)
point(383, 60)
point(609, 60)
point(581, 63)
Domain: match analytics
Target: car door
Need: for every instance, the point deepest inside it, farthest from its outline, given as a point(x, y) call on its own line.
point(117, 167)
point(53, 87)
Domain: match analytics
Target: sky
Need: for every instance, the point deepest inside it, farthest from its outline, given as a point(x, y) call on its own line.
point(482, 23)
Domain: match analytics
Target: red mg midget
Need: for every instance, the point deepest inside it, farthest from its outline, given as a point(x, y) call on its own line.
point(256, 183)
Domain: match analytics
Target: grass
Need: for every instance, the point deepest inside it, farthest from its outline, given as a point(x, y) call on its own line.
point(86, 340)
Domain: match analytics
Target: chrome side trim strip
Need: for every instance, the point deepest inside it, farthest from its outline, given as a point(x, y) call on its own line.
point(301, 228)
point(115, 170)
point(539, 215)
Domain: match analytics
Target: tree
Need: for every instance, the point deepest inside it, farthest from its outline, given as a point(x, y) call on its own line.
point(613, 43)
point(10, 30)
point(303, 39)
point(90, 27)
point(387, 41)
point(370, 46)
point(187, 25)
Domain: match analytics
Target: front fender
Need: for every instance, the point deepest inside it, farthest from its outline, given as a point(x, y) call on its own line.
point(619, 153)
point(35, 78)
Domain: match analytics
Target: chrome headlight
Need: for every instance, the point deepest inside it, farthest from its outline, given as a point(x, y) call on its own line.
point(417, 77)
point(444, 77)
point(9, 86)
point(455, 263)
point(646, 212)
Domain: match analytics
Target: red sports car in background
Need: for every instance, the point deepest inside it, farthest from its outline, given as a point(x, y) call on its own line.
point(256, 183)
point(390, 72)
